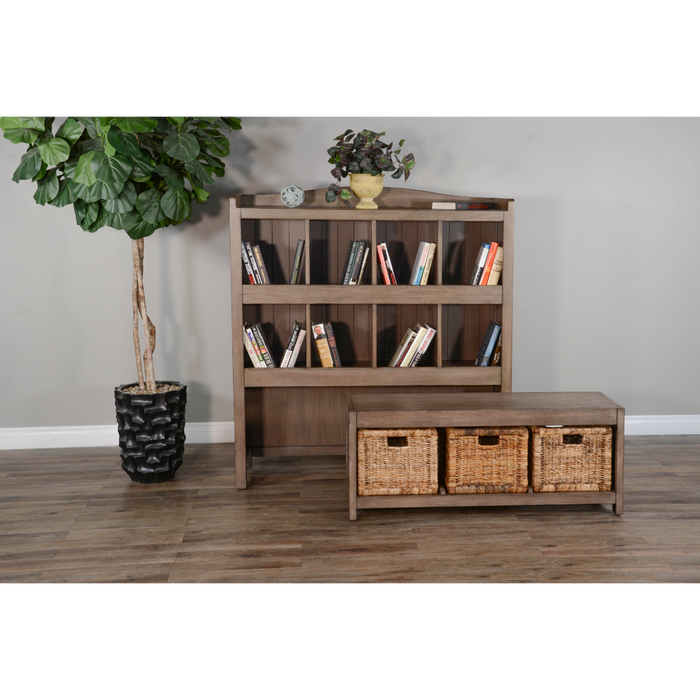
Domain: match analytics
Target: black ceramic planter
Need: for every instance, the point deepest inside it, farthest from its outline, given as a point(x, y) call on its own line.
point(151, 432)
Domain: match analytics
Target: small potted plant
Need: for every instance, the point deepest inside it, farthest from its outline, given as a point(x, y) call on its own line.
point(135, 174)
point(365, 159)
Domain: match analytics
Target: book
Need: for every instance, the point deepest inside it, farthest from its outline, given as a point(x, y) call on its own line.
point(493, 247)
point(256, 348)
point(357, 264)
point(382, 264)
point(423, 347)
point(419, 263)
point(261, 265)
point(360, 277)
point(246, 263)
point(497, 267)
point(349, 262)
point(479, 265)
point(421, 332)
point(296, 328)
point(262, 344)
point(387, 262)
point(297, 348)
point(463, 205)
point(496, 359)
point(428, 263)
point(253, 264)
point(488, 344)
point(321, 340)
point(298, 260)
point(253, 353)
point(335, 357)
point(403, 347)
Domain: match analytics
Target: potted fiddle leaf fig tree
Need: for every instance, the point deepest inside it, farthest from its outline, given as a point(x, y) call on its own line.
point(134, 174)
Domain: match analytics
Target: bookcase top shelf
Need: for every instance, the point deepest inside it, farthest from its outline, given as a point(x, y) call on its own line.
point(394, 203)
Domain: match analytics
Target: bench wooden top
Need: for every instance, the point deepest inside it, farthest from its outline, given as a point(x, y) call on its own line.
point(477, 408)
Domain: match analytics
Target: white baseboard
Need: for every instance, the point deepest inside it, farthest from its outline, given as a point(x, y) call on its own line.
point(662, 425)
point(99, 435)
point(106, 435)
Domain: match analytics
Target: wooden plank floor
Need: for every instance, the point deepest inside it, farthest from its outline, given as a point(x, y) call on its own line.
point(73, 515)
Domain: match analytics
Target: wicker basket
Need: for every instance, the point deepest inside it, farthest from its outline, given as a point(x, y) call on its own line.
point(571, 458)
point(486, 460)
point(395, 462)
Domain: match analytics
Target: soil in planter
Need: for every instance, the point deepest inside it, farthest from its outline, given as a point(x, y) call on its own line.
point(160, 389)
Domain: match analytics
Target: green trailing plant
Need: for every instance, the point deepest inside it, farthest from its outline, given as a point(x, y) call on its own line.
point(363, 152)
point(135, 174)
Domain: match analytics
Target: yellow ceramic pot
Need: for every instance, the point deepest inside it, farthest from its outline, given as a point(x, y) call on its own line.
point(366, 187)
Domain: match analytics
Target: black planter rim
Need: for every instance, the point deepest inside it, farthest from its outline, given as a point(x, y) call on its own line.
point(180, 387)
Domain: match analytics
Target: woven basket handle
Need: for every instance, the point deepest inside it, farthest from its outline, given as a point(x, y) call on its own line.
point(572, 439)
point(397, 442)
point(489, 440)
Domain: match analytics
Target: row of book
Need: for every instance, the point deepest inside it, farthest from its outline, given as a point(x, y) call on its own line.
point(255, 265)
point(258, 348)
point(489, 264)
point(490, 350)
point(413, 346)
point(355, 263)
point(487, 269)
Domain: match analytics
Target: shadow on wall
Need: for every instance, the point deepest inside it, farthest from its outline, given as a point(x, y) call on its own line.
point(198, 403)
point(239, 166)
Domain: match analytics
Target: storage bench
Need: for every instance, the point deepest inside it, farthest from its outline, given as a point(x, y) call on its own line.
point(483, 410)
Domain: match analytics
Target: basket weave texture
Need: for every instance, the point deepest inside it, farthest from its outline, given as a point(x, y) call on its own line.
point(581, 462)
point(397, 462)
point(495, 464)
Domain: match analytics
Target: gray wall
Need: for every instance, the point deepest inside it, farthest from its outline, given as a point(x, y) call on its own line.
point(606, 285)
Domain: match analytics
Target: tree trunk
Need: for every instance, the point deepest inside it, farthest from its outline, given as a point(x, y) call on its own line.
point(149, 329)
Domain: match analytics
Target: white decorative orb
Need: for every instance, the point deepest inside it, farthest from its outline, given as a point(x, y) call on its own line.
point(292, 195)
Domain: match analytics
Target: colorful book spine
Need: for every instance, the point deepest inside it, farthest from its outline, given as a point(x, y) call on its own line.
point(497, 267)
point(297, 348)
point(258, 353)
point(423, 347)
point(403, 346)
point(361, 276)
point(298, 260)
point(428, 263)
point(479, 265)
point(250, 349)
point(349, 263)
point(362, 245)
point(262, 344)
point(416, 272)
point(335, 356)
point(382, 264)
point(408, 356)
point(387, 262)
point(493, 248)
point(261, 264)
point(496, 359)
point(290, 344)
point(253, 264)
point(461, 206)
point(488, 344)
point(321, 340)
point(246, 263)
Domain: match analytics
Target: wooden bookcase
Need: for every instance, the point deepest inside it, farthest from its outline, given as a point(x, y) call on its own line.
point(302, 411)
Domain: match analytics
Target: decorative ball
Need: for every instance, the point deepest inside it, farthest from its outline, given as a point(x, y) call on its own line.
point(292, 195)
